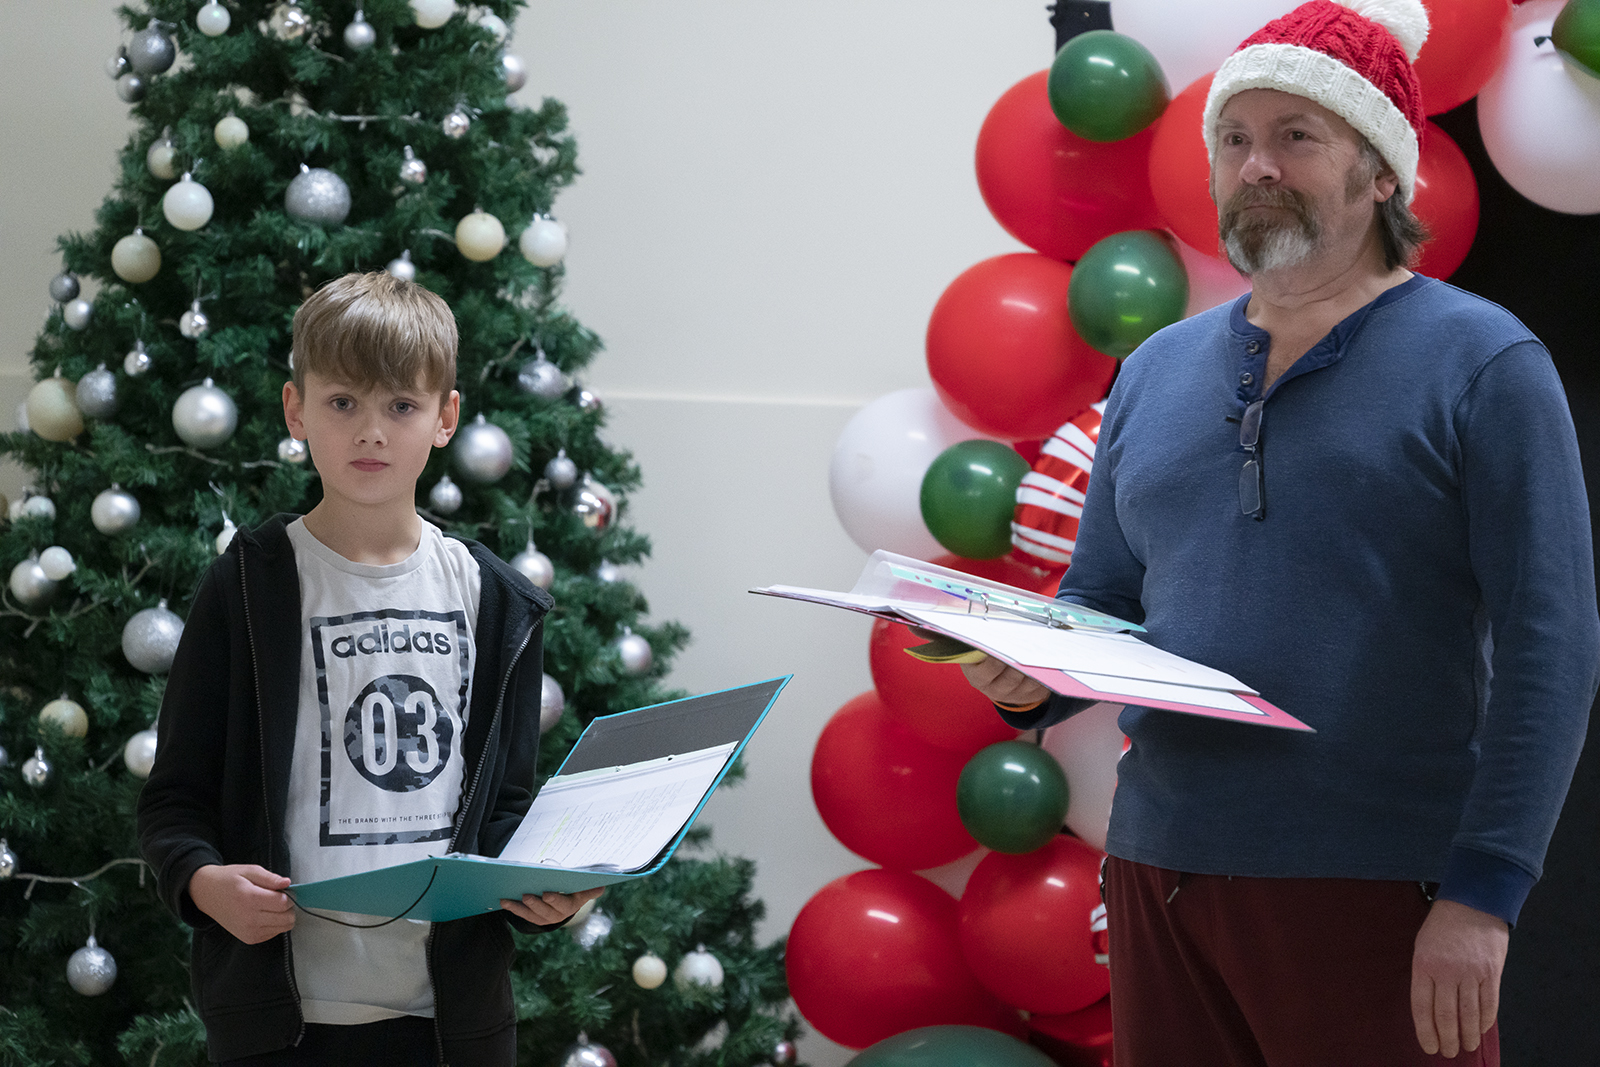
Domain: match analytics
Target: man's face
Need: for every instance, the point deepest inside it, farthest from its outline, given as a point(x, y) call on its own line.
point(1289, 181)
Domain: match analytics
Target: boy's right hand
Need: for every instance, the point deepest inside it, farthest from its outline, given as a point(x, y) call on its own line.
point(1004, 685)
point(249, 901)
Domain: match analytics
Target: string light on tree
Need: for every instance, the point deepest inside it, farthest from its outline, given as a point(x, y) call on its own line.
point(91, 971)
point(544, 242)
point(205, 416)
point(36, 769)
point(150, 639)
point(53, 409)
point(482, 451)
point(161, 158)
point(194, 323)
point(64, 287)
point(445, 496)
point(213, 19)
point(188, 204)
point(66, 715)
point(96, 394)
point(359, 34)
point(114, 511)
point(317, 195)
point(552, 702)
point(230, 131)
point(136, 258)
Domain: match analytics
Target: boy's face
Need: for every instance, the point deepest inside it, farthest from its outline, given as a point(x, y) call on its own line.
point(369, 444)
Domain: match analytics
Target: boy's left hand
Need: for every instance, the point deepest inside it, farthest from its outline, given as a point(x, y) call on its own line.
point(550, 908)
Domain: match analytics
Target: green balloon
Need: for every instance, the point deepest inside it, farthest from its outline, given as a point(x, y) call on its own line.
point(1012, 797)
point(1576, 34)
point(1125, 288)
point(1105, 86)
point(948, 1046)
point(968, 496)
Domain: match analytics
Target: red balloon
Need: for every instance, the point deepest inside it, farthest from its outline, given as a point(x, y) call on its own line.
point(932, 701)
point(1180, 170)
point(1003, 354)
point(885, 794)
point(1025, 927)
point(1051, 189)
point(1447, 200)
point(875, 953)
point(1086, 1034)
point(1465, 45)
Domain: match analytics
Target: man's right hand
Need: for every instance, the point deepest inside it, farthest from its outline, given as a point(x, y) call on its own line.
point(249, 901)
point(1003, 684)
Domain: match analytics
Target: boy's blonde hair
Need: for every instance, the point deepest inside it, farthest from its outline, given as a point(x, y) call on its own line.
point(367, 330)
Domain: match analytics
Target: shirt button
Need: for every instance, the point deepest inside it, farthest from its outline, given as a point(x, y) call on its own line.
point(1246, 378)
point(1253, 347)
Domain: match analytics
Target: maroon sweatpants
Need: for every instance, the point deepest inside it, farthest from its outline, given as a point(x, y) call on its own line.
point(1211, 971)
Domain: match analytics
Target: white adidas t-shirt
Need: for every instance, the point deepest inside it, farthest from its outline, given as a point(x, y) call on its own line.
point(386, 661)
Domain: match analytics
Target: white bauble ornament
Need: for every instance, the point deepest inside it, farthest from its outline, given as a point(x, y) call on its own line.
point(230, 131)
point(77, 313)
point(114, 511)
point(480, 237)
point(535, 566)
point(561, 471)
point(593, 930)
point(456, 124)
point(194, 323)
point(413, 171)
point(188, 205)
point(68, 715)
point(53, 409)
point(135, 258)
point(132, 87)
point(482, 451)
point(698, 968)
point(31, 587)
point(205, 416)
point(96, 393)
point(552, 702)
point(431, 14)
point(401, 267)
point(317, 195)
point(494, 24)
point(596, 505)
point(37, 506)
point(57, 563)
point(151, 51)
point(213, 19)
point(445, 496)
point(607, 572)
point(649, 971)
point(64, 287)
point(293, 450)
point(514, 71)
point(224, 537)
point(588, 1054)
point(36, 769)
point(8, 861)
point(542, 378)
point(288, 23)
point(161, 158)
point(91, 970)
point(359, 35)
point(150, 639)
point(139, 754)
point(634, 651)
point(544, 242)
point(137, 361)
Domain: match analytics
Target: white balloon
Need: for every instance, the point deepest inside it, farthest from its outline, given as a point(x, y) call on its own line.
point(1190, 38)
point(875, 478)
point(1540, 118)
point(1212, 281)
point(953, 876)
point(1088, 746)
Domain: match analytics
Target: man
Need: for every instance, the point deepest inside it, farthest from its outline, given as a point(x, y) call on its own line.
point(1358, 490)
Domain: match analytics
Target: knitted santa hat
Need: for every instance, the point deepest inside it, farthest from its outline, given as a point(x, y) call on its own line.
point(1354, 58)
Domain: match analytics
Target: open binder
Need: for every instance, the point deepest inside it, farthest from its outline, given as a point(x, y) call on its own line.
point(1067, 648)
point(621, 802)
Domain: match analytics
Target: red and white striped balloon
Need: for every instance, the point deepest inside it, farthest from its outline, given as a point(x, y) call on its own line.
point(1050, 498)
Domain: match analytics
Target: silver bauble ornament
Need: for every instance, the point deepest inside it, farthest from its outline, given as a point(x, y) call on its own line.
point(588, 1054)
point(139, 754)
point(131, 88)
point(161, 159)
point(288, 23)
point(552, 702)
point(413, 171)
point(37, 506)
point(401, 267)
point(634, 651)
point(542, 378)
point(456, 124)
point(359, 34)
point(150, 639)
point(188, 204)
point(68, 716)
point(561, 471)
point(544, 242)
point(36, 769)
point(494, 24)
point(137, 361)
point(8, 861)
point(608, 572)
point(205, 416)
point(535, 566)
point(97, 393)
point(114, 511)
point(785, 1054)
point(91, 970)
point(151, 51)
point(593, 930)
point(445, 496)
point(589, 403)
point(596, 505)
point(194, 323)
point(699, 968)
point(514, 71)
point(213, 19)
point(29, 584)
point(293, 450)
point(64, 287)
point(77, 313)
point(317, 195)
point(649, 971)
point(482, 451)
point(224, 536)
point(57, 563)
point(117, 65)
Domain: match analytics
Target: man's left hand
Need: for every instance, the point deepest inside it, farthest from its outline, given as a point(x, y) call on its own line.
point(550, 908)
point(1455, 977)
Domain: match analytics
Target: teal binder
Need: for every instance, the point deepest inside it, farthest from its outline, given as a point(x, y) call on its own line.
point(458, 885)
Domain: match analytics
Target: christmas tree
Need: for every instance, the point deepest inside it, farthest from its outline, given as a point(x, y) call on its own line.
point(277, 146)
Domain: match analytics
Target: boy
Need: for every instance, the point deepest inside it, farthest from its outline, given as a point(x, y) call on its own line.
point(353, 690)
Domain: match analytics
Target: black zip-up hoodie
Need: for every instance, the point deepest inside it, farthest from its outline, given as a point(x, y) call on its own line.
point(218, 792)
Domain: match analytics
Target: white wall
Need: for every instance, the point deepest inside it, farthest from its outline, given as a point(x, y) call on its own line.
point(773, 197)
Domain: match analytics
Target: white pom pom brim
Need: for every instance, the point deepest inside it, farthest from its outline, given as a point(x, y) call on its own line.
point(1406, 19)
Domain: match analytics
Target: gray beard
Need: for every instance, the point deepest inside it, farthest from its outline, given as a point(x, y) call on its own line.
point(1282, 246)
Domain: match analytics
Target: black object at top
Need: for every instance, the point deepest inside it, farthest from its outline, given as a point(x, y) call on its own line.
point(1072, 17)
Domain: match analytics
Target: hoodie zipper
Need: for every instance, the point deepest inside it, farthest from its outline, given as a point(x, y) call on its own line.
point(466, 805)
point(266, 802)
